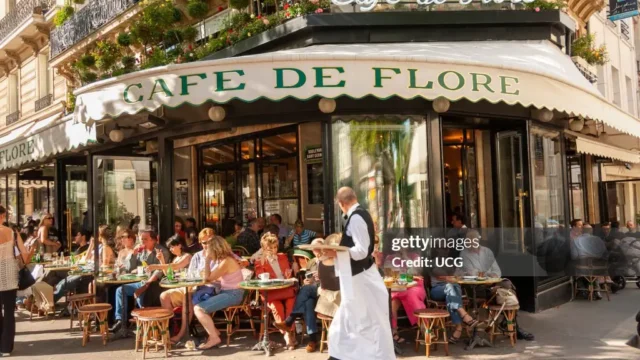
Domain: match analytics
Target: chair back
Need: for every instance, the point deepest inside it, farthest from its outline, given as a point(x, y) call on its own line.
point(240, 251)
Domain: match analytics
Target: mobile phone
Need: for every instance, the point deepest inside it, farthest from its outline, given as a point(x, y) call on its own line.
point(309, 275)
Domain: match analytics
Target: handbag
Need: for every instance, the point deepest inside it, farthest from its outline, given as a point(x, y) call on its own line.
point(25, 279)
point(506, 297)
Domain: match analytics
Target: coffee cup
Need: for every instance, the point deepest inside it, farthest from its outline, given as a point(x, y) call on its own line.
point(264, 276)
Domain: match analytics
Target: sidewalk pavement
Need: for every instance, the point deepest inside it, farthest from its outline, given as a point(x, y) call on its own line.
point(577, 330)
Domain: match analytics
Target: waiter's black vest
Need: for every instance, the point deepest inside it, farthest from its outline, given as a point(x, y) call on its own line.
point(358, 266)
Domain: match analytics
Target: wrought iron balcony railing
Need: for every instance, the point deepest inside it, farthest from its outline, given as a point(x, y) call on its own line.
point(43, 102)
point(87, 20)
point(21, 12)
point(624, 30)
point(13, 118)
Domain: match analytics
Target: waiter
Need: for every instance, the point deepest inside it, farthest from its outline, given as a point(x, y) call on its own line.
point(360, 329)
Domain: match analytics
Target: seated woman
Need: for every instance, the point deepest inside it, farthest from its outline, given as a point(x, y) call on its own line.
point(181, 258)
point(320, 293)
point(278, 267)
point(412, 299)
point(229, 273)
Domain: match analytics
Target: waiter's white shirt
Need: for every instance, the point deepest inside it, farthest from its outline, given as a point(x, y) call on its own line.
point(361, 327)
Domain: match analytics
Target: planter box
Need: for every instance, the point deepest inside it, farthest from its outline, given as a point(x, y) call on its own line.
point(589, 71)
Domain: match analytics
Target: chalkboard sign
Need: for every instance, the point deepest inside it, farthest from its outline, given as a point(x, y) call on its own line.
point(313, 154)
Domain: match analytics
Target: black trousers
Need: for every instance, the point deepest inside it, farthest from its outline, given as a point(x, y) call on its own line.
point(7, 320)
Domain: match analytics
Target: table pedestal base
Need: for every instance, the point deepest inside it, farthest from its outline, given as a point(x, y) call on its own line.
point(477, 340)
point(269, 347)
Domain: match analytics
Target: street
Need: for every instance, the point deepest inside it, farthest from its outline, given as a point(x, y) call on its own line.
point(576, 330)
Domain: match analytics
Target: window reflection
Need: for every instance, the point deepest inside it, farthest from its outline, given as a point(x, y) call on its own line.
point(548, 193)
point(384, 159)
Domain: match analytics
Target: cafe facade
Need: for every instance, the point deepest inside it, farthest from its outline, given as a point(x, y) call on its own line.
point(422, 118)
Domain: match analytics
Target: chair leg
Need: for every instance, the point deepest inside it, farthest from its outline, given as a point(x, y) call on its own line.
point(427, 336)
point(511, 326)
point(492, 334)
point(418, 333)
point(444, 337)
point(145, 338)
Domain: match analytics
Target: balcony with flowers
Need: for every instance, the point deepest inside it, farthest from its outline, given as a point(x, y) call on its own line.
point(137, 35)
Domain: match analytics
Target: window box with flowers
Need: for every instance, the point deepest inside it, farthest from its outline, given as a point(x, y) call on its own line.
point(587, 56)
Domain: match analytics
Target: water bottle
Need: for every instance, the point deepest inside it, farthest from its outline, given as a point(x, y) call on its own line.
point(170, 274)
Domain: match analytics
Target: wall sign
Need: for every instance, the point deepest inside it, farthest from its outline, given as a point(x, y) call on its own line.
point(621, 9)
point(313, 154)
point(366, 5)
point(128, 184)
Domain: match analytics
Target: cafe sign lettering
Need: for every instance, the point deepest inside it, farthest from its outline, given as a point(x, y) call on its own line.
point(18, 152)
point(366, 5)
point(236, 81)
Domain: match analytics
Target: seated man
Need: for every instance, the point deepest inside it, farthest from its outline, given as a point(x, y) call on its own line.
point(74, 283)
point(305, 303)
point(481, 260)
point(146, 255)
point(589, 249)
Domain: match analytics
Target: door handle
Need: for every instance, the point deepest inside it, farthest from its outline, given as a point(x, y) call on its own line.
point(521, 195)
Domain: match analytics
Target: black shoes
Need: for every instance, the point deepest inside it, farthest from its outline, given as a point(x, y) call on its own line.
point(117, 326)
point(523, 335)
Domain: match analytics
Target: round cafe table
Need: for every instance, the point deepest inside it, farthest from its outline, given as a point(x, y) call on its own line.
point(188, 285)
point(476, 339)
point(264, 344)
point(120, 280)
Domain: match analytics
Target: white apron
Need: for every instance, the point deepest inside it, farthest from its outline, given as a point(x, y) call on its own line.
point(361, 327)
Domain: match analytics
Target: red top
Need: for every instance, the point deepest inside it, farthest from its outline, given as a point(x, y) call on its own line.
point(283, 261)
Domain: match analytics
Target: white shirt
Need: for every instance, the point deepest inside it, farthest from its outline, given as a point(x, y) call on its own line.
point(357, 229)
point(474, 262)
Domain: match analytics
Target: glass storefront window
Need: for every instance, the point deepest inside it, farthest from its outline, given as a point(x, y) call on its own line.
point(384, 159)
point(548, 188)
point(77, 197)
point(259, 179)
point(248, 150)
point(218, 155)
point(12, 201)
point(126, 190)
point(183, 182)
point(3, 190)
point(576, 188)
point(279, 145)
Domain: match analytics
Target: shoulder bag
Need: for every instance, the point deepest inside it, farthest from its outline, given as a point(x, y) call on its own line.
point(25, 279)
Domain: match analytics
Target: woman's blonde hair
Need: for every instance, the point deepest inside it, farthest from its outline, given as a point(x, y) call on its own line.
point(268, 240)
point(103, 234)
point(206, 233)
point(218, 248)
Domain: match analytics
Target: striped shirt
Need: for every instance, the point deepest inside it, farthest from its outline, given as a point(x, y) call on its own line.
point(304, 238)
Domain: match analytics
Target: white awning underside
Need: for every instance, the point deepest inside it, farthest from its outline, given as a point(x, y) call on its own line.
point(529, 73)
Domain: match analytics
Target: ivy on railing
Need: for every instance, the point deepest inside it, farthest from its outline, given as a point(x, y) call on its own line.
point(20, 13)
point(88, 19)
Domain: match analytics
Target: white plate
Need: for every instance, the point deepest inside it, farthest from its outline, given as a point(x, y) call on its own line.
point(469, 277)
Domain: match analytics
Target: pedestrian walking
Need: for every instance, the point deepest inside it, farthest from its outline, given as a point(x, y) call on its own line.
point(11, 246)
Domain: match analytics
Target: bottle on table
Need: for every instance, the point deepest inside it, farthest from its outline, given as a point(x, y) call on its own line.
point(170, 275)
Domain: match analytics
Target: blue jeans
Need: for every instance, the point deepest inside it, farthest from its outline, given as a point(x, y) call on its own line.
point(121, 302)
point(222, 300)
point(452, 294)
point(70, 283)
point(305, 305)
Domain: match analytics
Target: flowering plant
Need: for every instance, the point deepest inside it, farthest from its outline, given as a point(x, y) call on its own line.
point(585, 48)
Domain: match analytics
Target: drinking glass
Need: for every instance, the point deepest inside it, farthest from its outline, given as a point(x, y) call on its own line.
point(409, 277)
